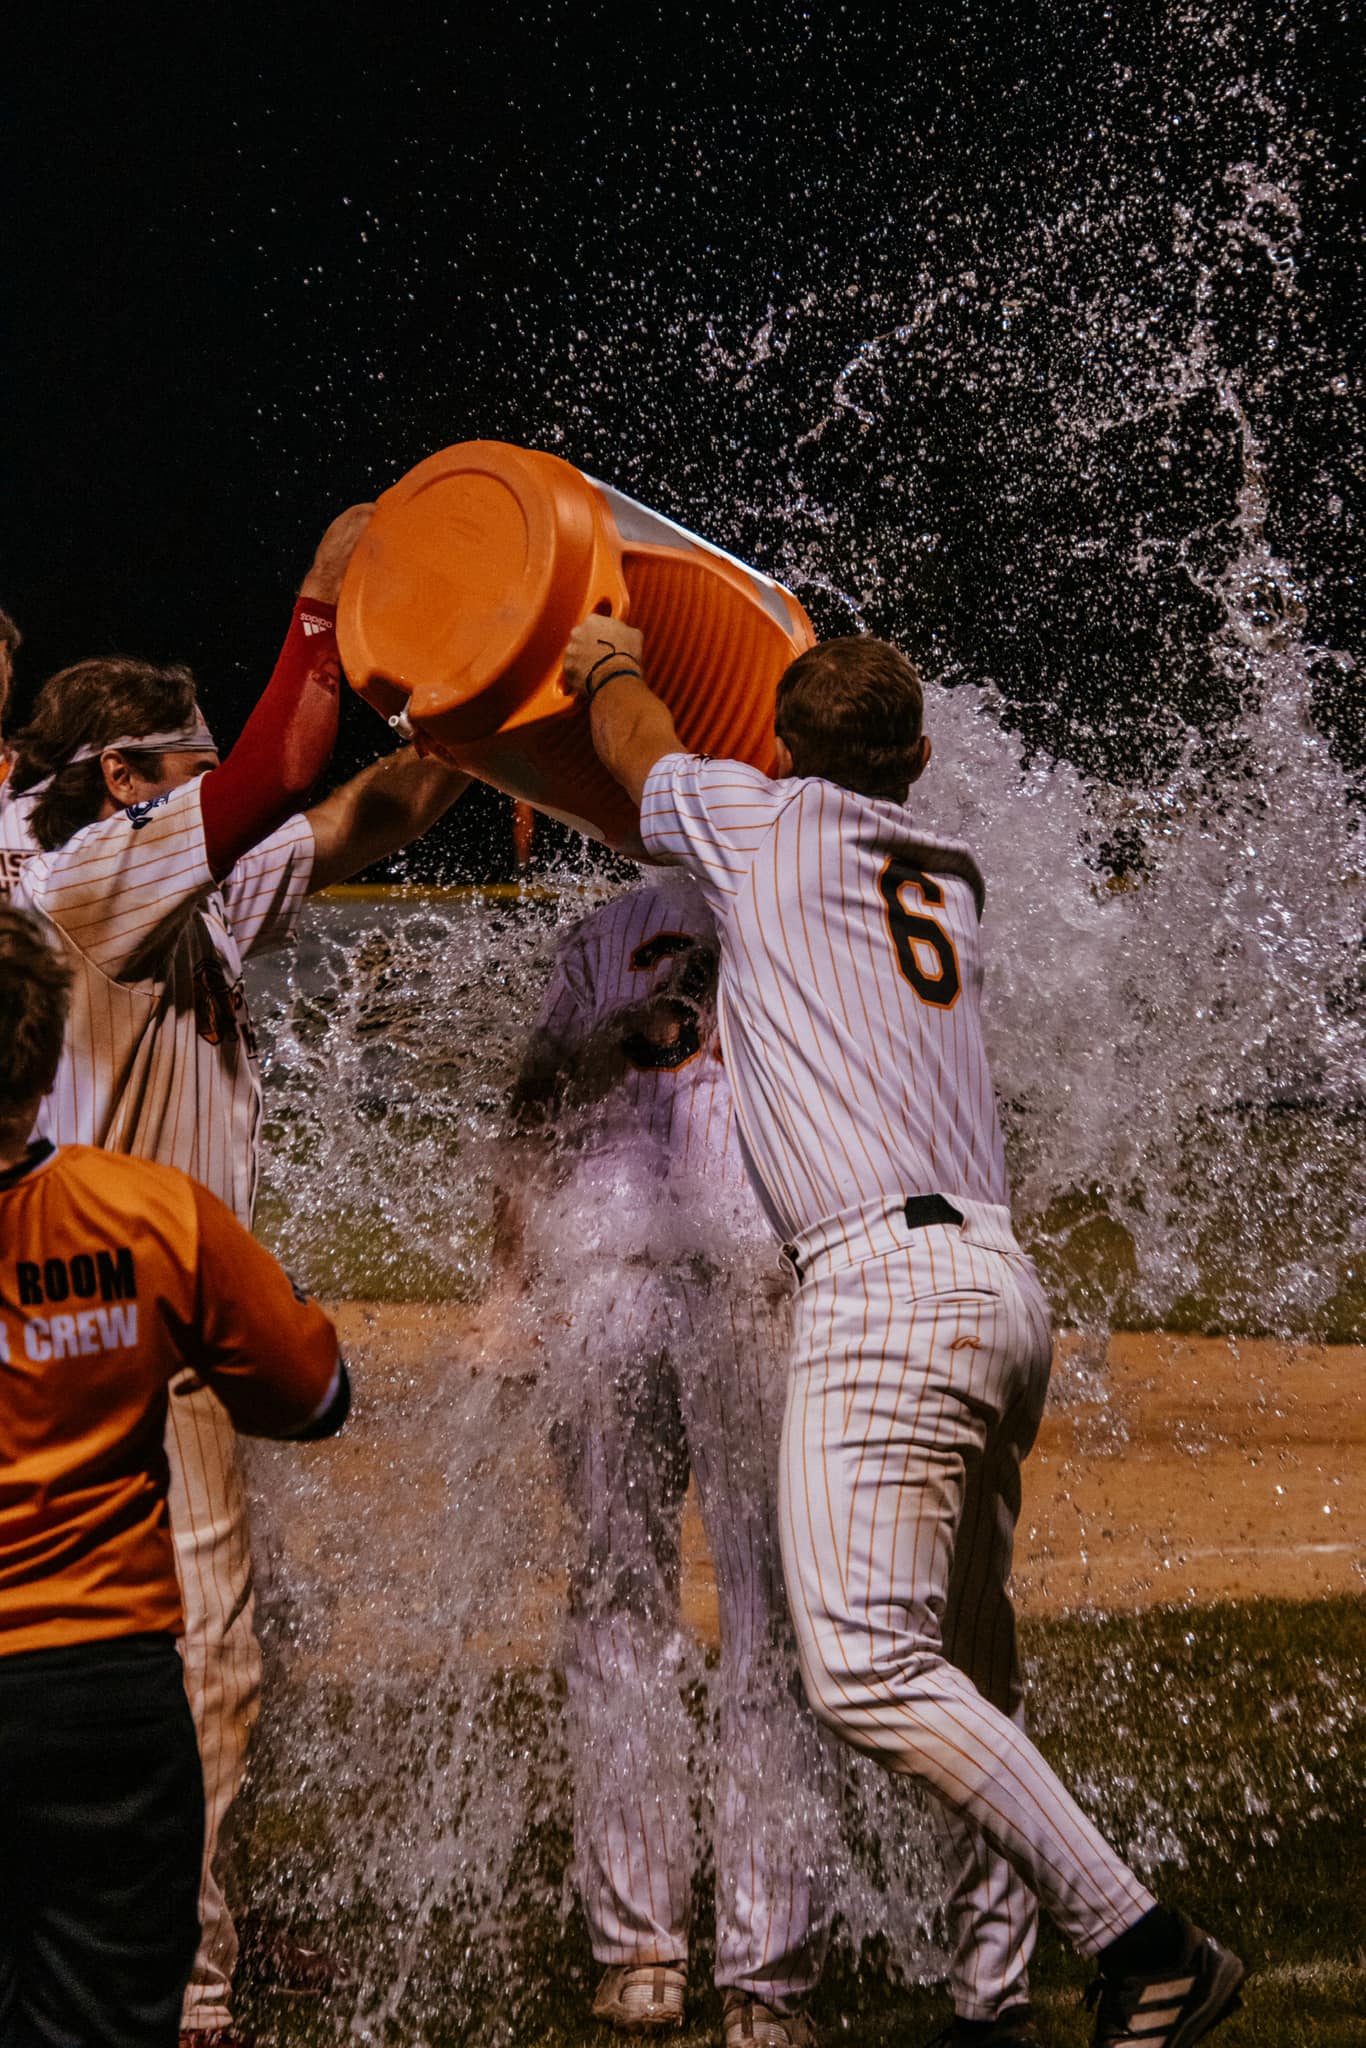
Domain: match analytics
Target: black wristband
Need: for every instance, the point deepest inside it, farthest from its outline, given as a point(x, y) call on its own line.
point(596, 683)
point(334, 1415)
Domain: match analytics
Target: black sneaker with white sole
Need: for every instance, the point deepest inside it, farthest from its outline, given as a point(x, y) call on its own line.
point(1169, 2008)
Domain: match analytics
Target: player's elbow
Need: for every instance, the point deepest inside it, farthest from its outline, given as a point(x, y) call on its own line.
point(259, 1412)
point(330, 1415)
point(237, 817)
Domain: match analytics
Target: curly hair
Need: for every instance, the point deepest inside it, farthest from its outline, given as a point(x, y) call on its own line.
point(90, 704)
point(35, 987)
point(852, 710)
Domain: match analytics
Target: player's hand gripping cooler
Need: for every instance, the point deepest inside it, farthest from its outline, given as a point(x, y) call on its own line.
point(467, 583)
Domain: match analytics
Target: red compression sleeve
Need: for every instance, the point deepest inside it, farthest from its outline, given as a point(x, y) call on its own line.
point(285, 744)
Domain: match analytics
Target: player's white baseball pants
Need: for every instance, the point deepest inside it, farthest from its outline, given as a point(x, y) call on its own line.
point(673, 1367)
point(221, 1655)
point(920, 1366)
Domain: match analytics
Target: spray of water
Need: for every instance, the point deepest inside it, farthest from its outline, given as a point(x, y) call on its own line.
point(1174, 998)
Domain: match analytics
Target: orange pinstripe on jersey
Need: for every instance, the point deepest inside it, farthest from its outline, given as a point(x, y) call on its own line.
point(160, 1059)
point(825, 985)
point(920, 1366)
point(112, 1273)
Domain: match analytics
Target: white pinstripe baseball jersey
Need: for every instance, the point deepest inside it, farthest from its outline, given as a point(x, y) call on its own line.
point(16, 840)
point(629, 1015)
point(160, 1060)
point(850, 981)
point(668, 1356)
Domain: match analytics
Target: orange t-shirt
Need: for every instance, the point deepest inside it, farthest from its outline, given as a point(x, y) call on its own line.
point(115, 1275)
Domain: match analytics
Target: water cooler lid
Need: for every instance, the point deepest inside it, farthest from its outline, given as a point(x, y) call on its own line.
point(455, 572)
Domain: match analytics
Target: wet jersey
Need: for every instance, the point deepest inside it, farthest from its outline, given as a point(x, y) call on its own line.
point(114, 1275)
point(851, 972)
point(626, 1042)
point(160, 1057)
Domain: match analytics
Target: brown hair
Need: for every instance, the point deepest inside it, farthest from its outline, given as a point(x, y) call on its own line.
point(10, 636)
point(35, 985)
point(90, 704)
point(851, 710)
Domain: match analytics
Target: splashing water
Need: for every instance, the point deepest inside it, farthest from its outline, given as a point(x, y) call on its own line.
point(1173, 998)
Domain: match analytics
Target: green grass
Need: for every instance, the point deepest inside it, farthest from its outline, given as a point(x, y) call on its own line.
point(1226, 1744)
point(1086, 1258)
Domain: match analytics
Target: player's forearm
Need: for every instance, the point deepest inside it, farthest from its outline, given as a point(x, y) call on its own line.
point(632, 729)
point(393, 801)
point(285, 744)
point(263, 1397)
point(329, 1417)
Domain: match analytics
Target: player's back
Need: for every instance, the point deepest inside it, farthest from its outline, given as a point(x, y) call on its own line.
point(98, 1268)
point(115, 1274)
point(849, 992)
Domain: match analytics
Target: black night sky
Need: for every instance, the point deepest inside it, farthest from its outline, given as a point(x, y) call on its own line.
point(262, 260)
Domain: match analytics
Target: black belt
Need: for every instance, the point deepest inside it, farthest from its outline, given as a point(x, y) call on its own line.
point(923, 1209)
point(920, 1210)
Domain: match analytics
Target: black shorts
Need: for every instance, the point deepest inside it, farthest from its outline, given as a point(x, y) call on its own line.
point(101, 1836)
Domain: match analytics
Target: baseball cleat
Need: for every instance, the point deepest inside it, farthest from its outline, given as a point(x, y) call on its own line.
point(1169, 2008)
point(1013, 2029)
point(641, 1998)
point(749, 2023)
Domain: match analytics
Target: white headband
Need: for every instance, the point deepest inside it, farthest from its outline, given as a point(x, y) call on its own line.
point(193, 737)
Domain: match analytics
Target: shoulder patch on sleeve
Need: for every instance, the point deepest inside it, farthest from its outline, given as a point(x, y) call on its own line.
point(138, 814)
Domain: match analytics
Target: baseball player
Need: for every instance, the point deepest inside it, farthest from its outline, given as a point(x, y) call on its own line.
point(16, 841)
point(669, 1356)
point(116, 1275)
point(850, 981)
point(159, 873)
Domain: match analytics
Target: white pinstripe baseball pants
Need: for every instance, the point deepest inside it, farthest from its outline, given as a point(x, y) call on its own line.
point(221, 1655)
point(670, 1374)
point(920, 1366)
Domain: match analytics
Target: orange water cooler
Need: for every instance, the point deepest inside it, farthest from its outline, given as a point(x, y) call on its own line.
point(465, 588)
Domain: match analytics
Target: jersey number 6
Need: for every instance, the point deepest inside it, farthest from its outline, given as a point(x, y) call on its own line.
point(919, 939)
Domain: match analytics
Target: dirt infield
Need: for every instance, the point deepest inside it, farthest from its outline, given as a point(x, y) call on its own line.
point(1197, 1468)
point(1170, 1469)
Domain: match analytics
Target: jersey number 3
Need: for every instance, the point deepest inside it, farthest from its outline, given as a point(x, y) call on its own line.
point(682, 1041)
point(924, 950)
